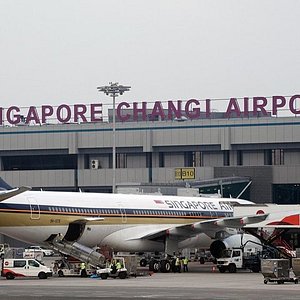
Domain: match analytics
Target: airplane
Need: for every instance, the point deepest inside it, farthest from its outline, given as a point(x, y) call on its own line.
point(128, 223)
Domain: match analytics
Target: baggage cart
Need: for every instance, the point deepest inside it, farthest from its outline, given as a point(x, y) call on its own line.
point(296, 266)
point(277, 270)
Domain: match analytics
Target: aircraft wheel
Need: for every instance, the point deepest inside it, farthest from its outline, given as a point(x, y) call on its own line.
point(143, 262)
point(154, 265)
point(265, 281)
point(165, 266)
point(60, 273)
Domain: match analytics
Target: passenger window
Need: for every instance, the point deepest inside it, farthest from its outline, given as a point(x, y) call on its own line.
point(33, 263)
point(19, 263)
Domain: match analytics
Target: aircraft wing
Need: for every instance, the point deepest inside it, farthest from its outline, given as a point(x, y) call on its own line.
point(286, 219)
point(10, 193)
point(209, 227)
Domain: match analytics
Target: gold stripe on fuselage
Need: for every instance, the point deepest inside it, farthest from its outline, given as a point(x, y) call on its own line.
point(8, 219)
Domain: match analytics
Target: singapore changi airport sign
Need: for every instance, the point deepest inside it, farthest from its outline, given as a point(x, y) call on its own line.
point(142, 111)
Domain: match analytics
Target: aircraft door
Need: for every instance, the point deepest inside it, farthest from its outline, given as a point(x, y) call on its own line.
point(123, 213)
point(34, 208)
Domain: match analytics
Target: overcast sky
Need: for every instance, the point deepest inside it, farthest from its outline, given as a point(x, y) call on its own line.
point(59, 51)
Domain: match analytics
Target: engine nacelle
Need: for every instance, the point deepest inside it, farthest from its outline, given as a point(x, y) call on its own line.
point(250, 243)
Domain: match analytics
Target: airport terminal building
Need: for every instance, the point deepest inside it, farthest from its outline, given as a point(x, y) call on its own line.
point(158, 143)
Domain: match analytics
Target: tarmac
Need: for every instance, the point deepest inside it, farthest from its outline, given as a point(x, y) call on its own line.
point(201, 282)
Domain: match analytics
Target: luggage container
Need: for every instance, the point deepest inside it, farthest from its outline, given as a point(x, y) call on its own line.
point(296, 266)
point(277, 270)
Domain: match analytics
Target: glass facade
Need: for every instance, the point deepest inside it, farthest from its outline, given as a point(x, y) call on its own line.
point(39, 162)
point(286, 193)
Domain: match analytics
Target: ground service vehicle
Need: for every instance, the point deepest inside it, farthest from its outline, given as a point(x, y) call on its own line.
point(236, 258)
point(25, 268)
point(128, 267)
point(206, 256)
point(46, 252)
point(112, 271)
point(67, 267)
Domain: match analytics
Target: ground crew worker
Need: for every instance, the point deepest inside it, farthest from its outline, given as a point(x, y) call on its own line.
point(113, 266)
point(118, 265)
point(185, 262)
point(178, 264)
point(83, 272)
point(173, 264)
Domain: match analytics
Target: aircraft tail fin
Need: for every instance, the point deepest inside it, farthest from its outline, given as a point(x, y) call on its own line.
point(14, 192)
point(4, 186)
point(6, 191)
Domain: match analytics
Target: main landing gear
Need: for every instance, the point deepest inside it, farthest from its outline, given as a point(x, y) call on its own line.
point(163, 265)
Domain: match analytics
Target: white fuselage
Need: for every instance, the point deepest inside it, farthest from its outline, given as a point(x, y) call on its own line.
point(119, 221)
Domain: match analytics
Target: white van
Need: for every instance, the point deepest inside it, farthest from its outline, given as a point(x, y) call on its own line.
point(25, 268)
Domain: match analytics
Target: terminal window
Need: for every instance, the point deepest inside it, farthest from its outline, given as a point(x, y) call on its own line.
point(278, 157)
point(286, 193)
point(274, 157)
point(197, 159)
point(39, 162)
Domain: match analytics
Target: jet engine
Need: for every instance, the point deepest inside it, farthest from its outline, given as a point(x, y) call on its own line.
point(247, 241)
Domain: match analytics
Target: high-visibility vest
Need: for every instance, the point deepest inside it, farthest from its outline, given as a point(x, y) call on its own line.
point(185, 261)
point(177, 262)
point(118, 265)
point(82, 266)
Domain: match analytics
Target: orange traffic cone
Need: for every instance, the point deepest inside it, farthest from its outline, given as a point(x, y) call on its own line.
point(213, 268)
